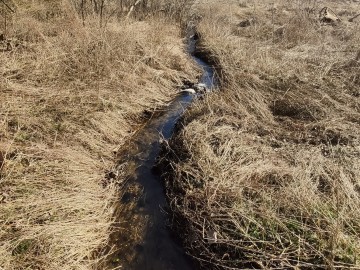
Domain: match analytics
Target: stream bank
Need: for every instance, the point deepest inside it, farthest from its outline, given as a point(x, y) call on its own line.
point(143, 237)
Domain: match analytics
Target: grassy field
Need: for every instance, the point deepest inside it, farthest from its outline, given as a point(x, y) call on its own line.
point(71, 94)
point(267, 170)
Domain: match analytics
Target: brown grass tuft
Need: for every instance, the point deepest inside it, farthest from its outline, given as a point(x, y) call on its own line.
point(269, 174)
point(69, 95)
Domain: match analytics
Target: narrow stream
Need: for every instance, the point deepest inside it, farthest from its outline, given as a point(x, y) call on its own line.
point(156, 248)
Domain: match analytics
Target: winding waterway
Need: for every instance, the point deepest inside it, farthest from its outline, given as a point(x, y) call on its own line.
point(154, 247)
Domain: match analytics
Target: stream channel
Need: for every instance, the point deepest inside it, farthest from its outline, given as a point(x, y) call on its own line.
point(146, 240)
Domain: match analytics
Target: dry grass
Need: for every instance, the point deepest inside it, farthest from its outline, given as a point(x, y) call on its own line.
point(69, 96)
point(269, 170)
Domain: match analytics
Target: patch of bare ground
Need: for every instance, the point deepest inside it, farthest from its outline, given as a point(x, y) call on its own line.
point(70, 93)
point(266, 172)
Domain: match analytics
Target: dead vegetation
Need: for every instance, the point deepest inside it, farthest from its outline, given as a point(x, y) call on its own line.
point(69, 95)
point(266, 171)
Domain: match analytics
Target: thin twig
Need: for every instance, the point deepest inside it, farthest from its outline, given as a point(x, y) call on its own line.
point(12, 10)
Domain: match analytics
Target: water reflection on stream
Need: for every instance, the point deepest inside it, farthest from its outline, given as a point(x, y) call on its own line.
point(146, 240)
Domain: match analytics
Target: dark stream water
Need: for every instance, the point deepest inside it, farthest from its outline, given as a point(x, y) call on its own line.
point(158, 248)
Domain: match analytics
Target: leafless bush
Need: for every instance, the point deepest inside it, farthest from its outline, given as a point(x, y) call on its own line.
point(140, 9)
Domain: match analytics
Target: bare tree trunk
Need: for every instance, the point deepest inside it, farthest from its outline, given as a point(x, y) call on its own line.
point(144, 5)
point(82, 8)
point(121, 4)
point(96, 7)
point(102, 7)
point(5, 23)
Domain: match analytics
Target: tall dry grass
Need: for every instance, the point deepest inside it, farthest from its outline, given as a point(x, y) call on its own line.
point(69, 95)
point(266, 171)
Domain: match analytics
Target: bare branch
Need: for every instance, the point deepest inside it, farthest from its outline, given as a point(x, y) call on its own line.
point(12, 10)
point(132, 8)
